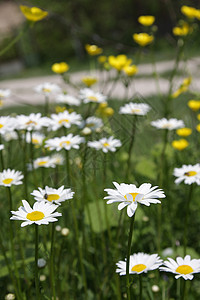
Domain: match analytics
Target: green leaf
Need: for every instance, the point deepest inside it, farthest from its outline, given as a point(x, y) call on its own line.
point(96, 211)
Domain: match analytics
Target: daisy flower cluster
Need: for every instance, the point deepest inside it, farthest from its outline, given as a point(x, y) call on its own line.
point(43, 211)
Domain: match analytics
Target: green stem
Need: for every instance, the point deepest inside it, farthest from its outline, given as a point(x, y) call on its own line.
point(12, 241)
point(37, 287)
point(1, 156)
point(77, 234)
point(184, 295)
point(14, 41)
point(132, 138)
point(128, 257)
point(53, 284)
point(140, 284)
point(9, 268)
point(168, 100)
point(46, 105)
point(186, 218)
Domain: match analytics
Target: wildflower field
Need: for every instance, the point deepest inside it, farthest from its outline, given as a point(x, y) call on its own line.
point(108, 186)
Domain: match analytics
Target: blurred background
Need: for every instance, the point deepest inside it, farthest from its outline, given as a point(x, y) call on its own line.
point(73, 23)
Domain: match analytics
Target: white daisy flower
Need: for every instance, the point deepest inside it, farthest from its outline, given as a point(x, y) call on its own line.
point(1, 147)
point(10, 177)
point(168, 124)
point(129, 195)
point(139, 263)
point(4, 93)
point(41, 263)
point(183, 267)
point(106, 144)
point(65, 119)
point(45, 162)
point(7, 124)
point(41, 213)
point(47, 88)
point(53, 195)
point(92, 123)
point(57, 159)
point(68, 99)
point(37, 138)
point(64, 142)
point(89, 96)
point(31, 122)
point(9, 136)
point(187, 173)
point(131, 108)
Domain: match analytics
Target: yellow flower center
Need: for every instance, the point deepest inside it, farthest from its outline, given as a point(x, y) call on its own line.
point(31, 122)
point(105, 144)
point(35, 216)
point(52, 197)
point(35, 141)
point(65, 142)
point(138, 268)
point(135, 110)
point(41, 163)
point(133, 195)
point(46, 90)
point(63, 121)
point(7, 180)
point(184, 269)
point(1, 125)
point(93, 98)
point(190, 173)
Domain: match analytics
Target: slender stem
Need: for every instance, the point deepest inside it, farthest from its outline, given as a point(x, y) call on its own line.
point(32, 158)
point(9, 268)
point(12, 242)
point(37, 287)
point(77, 235)
point(140, 283)
point(132, 138)
point(184, 295)
point(14, 41)
point(53, 284)
point(25, 167)
point(186, 218)
point(46, 105)
point(68, 167)
point(128, 257)
point(1, 156)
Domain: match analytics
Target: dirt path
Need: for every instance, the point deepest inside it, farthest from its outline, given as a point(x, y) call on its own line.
point(143, 85)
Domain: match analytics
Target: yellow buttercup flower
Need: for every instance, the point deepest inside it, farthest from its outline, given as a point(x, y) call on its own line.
point(189, 11)
point(102, 59)
point(183, 87)
point(197, 14)
point(60, 109)
point(198, 117)
point(130, 70)
point(108, 112)
point(180, 144)
point(143, 39)
point(60, 68)
point(33, 14)
point(146, 20)
point(198, 127)
point(93, 50)
point(89, 81)
point(187, 81)
point(119, 62)
point(104, 110)
point(194, 105)
point(180, 91)
point(184, 131)
point(183, 30)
